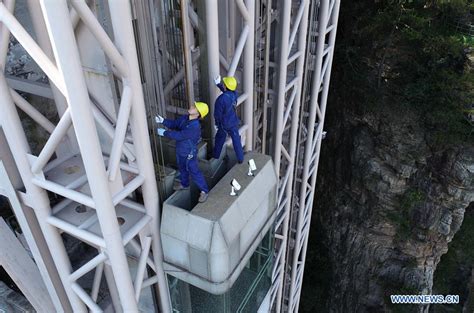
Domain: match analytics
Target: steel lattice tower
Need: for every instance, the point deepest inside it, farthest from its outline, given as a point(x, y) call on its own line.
point(113, 65)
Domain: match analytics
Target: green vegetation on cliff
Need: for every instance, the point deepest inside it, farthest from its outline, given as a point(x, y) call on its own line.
point(402, 217)
point(409, 54)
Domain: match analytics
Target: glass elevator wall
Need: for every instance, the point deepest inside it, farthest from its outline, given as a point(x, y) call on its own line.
point(246, 295)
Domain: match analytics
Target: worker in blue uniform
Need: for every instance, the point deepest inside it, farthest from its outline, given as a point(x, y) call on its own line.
point(226, 120)
point(186, 130)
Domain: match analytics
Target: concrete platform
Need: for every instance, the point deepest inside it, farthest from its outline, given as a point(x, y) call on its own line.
point(208, 244)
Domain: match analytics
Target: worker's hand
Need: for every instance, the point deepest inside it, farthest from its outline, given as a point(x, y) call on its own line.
point(216, 128)
point(217, 79)
point(160, 131)
point(159, 119)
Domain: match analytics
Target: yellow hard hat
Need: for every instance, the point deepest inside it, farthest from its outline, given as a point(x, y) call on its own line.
point(230, 82)
point(202, 108)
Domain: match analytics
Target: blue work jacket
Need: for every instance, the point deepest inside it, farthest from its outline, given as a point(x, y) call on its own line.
point(224, 109)
point(187, 134)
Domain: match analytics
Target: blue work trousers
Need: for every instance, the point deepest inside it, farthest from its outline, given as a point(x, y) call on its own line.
point(189, 166)
point(221, 136)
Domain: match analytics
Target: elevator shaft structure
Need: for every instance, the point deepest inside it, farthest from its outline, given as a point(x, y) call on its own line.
point(111, 66)
point(95, 200)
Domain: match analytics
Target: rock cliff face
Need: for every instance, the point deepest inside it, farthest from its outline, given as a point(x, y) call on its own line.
point(395, 201)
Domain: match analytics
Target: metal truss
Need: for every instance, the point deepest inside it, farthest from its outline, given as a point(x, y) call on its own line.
point(97, 205)
point(323, 25)
point(200, 23)
point(265, 76)
point(285, 114)
point(281, 51)
point(295, 98)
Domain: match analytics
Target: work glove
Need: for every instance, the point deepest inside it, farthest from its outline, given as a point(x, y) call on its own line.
point(160, 131)
point(159, 119)
point(217, 79)
point(216, 128)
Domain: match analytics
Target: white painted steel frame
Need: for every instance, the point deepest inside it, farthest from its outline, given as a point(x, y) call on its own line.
point(289, 262)
point(43, 41)
point(188, 63)
point(308, 163)
point(20, 267)
point(249, 71)
point(264, 34)
point(70, 79)
point(36, 242)
point(68, 61)
point(18, 145)
point(287, 109)
point(212, 42)
point(245, 46)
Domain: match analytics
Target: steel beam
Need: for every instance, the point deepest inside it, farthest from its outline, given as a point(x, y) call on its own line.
point(249, 72)
point(212, 25)
point(288, 105)
point(18, 144)
point(121, 16)
point(277, 153)
point(289, 114)
point(303, 14)
point(188, 64)
point(36, 242)
point(31, 47)
point(67, 57)
point(329, 13)
point(59, 99)
point(31, 87)
point(26, 107)
point(24, 272)
point(5, 35)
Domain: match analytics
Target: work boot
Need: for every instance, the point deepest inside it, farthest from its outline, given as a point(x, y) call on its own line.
point(179, 187)
point(203, 197)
